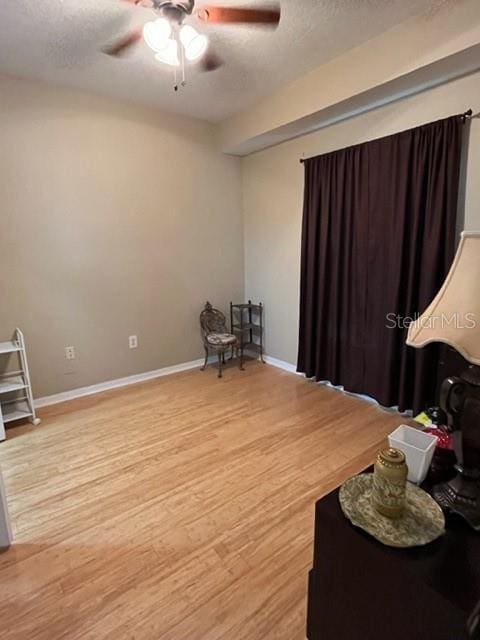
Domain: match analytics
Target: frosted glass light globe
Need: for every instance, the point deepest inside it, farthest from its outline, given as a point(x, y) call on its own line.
point(195, 44)
point(157, 34)
point(169, 54)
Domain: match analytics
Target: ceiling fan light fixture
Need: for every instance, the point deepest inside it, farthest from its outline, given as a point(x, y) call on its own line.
point(194, 43)
point(169, 54)
point(157, 34)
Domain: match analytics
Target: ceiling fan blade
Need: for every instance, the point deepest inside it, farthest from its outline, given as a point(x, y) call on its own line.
point(234, 15)
point(211, 61)
point(121, 46)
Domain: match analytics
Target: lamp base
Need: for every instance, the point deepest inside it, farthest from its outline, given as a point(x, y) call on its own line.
point(461, 496)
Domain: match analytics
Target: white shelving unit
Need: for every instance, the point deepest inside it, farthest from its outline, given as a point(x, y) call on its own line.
point(20, 405)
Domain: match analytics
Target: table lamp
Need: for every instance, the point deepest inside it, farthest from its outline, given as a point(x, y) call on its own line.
point(454, 319)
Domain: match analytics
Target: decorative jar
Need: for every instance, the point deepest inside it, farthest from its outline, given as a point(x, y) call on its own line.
point(389, 483)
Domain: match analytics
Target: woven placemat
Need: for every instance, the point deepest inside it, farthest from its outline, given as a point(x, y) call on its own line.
point(422, 522)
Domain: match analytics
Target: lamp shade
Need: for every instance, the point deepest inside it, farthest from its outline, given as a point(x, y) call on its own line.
point(454, 315)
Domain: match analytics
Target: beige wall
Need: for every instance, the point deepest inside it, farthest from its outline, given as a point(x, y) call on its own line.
point(114, 220)
point(273, 196)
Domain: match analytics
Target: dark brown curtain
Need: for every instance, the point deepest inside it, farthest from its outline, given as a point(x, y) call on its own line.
point(378, 239)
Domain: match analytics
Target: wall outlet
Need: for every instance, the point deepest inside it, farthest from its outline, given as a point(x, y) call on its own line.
point(70, 353)
point(132, 342)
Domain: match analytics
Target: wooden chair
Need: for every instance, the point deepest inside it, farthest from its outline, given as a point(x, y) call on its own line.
point(215, 336)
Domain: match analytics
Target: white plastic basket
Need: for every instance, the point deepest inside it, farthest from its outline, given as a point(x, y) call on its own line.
point(418, 448)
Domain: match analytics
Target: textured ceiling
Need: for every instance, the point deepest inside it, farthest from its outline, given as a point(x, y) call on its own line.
point(60, 41)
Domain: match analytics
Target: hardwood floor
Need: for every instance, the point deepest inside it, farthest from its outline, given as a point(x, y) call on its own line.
point(177, 508)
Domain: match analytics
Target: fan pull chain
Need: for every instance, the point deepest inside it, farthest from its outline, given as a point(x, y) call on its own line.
point(182, 66)
point(182, 55)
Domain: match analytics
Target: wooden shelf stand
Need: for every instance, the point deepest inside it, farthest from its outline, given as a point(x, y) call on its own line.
point(246, 323)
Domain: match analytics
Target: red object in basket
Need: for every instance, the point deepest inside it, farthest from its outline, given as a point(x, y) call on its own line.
point(444, 439)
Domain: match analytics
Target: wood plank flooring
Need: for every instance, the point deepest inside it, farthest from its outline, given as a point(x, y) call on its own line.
point(177, 508)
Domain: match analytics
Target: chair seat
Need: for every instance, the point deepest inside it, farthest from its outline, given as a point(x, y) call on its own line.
point(221, 339)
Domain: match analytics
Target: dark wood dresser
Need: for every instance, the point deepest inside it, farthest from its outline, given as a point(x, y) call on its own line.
point(361, 590)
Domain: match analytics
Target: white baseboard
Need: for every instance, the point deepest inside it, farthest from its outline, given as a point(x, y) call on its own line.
point(281, 364)
point(275, 362)
point(114, 384)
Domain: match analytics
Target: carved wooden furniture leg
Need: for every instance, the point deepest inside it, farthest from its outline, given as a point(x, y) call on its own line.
point(219, 364)
point(240, 363)
point(206, 359)
point(231, 331)
point(261, 334)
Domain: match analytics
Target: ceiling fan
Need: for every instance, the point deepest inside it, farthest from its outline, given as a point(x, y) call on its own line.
point(175, 41)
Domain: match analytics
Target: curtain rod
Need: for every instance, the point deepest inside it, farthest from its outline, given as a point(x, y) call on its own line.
point(467, 115)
